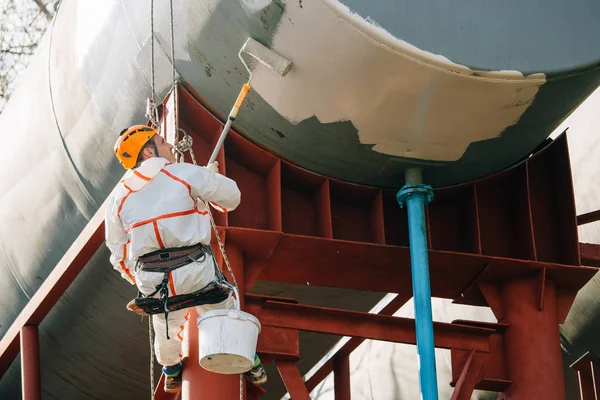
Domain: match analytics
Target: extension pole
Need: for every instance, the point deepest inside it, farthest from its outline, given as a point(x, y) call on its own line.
point(232, 116)
point(416, 195)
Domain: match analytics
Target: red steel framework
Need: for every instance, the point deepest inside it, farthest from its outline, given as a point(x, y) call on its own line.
point(508, 242)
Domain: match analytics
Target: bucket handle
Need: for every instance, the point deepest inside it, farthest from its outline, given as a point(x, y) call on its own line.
point(236, 294)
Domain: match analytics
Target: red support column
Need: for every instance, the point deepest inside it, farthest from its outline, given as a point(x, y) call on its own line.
point(469, 375)
point(198, 383)
point(30, 363)
point(341, 377)
point(292, 379)
point(532, 343)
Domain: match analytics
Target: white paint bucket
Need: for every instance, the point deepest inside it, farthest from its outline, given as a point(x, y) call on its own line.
point(227, 341)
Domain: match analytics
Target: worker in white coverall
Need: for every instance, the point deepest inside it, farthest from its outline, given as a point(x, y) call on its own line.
point(154, 207)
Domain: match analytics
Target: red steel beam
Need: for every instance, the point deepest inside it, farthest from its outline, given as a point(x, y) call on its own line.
point(382, 268)
point(353, 343)
point(253, 392)
point(65, 272)
point(463, 376)
point(322, 373)
point(532, 342)
point(370, 326)
point(341, 377)
point(390, 309)
point(30, 363)
point(273, 343)
point(588, 217)
point(590, 254)
point(468, 378)
point(292, 380)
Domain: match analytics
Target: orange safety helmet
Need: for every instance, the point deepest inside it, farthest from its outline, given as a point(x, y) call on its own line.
point(130, 143)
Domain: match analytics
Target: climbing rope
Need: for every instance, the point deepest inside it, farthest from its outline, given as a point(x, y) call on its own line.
point(181, 146)
point(185, 144)
point(151, 334)
point(151, 110)
point(174, 91)
point(221, 246)
point(152, 48)
point(151, 115)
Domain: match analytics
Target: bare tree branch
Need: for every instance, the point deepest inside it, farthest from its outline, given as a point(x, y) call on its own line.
point(22, 25)
point(43, 9)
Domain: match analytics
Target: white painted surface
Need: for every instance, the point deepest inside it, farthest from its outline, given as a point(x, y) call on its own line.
point(402, 100)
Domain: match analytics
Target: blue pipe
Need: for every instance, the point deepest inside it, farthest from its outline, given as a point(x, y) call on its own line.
point(416, 197)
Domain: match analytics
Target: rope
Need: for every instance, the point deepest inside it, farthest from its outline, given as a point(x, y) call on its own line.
point(152, 47)
point(221, 246)
point(172, 49)
point(187, 137)
point(241, 387)
point(151, 334)
point(150, 114)
point(151, 110)
point(185, 144)
point(174, 89)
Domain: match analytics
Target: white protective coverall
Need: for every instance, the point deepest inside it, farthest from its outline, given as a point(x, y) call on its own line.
point(153, 208)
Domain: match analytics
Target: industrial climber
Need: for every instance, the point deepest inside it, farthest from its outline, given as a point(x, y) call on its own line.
point(159, 239)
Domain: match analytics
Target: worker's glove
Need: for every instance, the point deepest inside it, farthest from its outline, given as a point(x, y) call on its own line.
point(213, 167)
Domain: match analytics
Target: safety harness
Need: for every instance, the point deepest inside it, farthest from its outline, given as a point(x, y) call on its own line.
point(167, 260)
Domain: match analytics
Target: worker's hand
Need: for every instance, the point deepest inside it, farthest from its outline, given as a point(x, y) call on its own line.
point(213, 167)
point(132, 306)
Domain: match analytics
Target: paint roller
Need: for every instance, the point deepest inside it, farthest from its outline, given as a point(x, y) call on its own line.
point(268, 58)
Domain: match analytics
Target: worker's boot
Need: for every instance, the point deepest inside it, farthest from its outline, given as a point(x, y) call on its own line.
point(172, 378)
point(257, 374)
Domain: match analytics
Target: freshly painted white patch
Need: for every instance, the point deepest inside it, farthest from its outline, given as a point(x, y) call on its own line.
point(402, 100)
